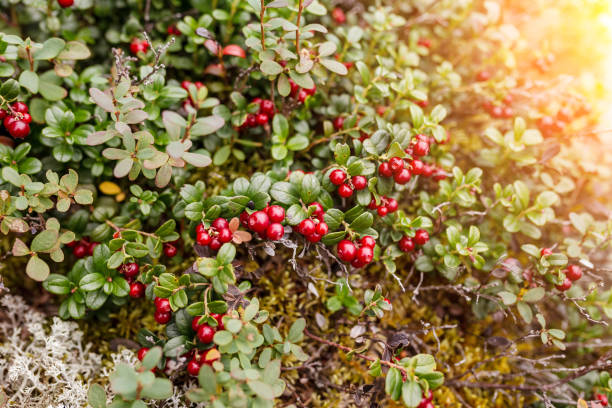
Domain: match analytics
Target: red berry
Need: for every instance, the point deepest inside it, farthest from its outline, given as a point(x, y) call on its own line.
point(365, 254)
point(382, 210)
point(338, 15)
point(20, 107)
point(219, 319)
point(91, 247)
point(162, 317)
point(424, 42)
point(573, 272)
point(267, 107)
point(80, 251)
point(16, 128)
point(346, 250)
point(497, 112)
point(244, 219)
point(319, 211)
point(359, 182)
point(322, 228)
point(200, 228)
point(427, 170)
point(259, 221)
point(185, 85)
point(261, 119)
point(257, 101)
point(406, 244)
point(137, 290)
point(372, 205)
point(567, 283)
point(368, 241)
point(546, 252)
point(338, 122)
point(294, 87)
point(65, 3)
point(215, 244)
point(385, 169)
point(345, 191)
point(142, 352)
point(130, 270)
point(194, 323)
point(193, 368)
point(251, 120)
point(357, 263)
point(172, 30)
point(421, 148)
point(423, 103)
point(302, 95)
point(396, 164)
point(337, 177)
point(205, 333)
point(311, 91)
point(275, 231)
point(402, 177)
point(276, 213)
point(162, 305)
point(220, 223)
point(507, 112)
point(602, 399)
point(26, 117)
point(421, 237)
point(203, 238)
point(2, 114)
point(483, 76)
point(307, 227)
point(136, 46)
point(169, 250)
point(564, 114)
point(225, 235)
point(392, 205)
point(314, 237)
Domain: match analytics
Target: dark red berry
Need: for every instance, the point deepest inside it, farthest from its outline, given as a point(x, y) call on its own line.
point(294, 87)
point(392, 205)
point(91, 247)
point(142, 352)
point(314, 237)
point(215, 244)
point(162, 305)
point(2, 114)
point(259, 221)
point(402, 177)
point(251, 120)
point(338, 122)
point(219, 319)
point(16, 128)
point(337, 177)
point(406, 244)
point(225, 235)
point(267, 107)
point(372, 205)
point(357, 263)
point(345, 191)
point(573, 272)
point(307, 227)
point(20, 107)
point(319, 211)
point(565, 285)
point(421, 148)
point(130, 270)
point(396, 164)
point(276, 213)
point(244, 219)
point(80, 251)
point(359, 182)
point(603, 399)
point(194, 323)
point(322, 228)
point(368, 241)
point(65, 3)
point(193, 368)
point(203, 238)
point(169, 250)
point(382, 210)
point(346, 250)
point(261, 119)
point(161, 317)
point(275, 231)
point(220, 223)
point(421, 237)
point(385, 169)
point(205, 333)
point(311, 91)
point(365, 254)
point(137, 290)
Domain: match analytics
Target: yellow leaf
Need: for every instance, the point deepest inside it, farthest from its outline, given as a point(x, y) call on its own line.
point(109, 188)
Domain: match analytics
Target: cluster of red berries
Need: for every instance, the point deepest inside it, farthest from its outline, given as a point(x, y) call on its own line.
point(387, 205)
point(572, 274)
point(427, 401)
point(17, 120)
point(263, 116)
point(301, 93)
point(407, 244)
point(360, 255)
point(82, 247)
point(218, 234)
point(346, 187)
point(130, 271)
point(65, 3)
point(204, 333)
point(266, 222)
point(313, 228)
point(549, 125)
point(137, 45)
point(185, 86)
point(395, 168)
point(503, 111)
point(163, 311)
point(603, 399)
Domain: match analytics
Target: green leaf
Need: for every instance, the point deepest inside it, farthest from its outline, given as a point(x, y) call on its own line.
point(525, 311)
point(29, 80)
point(393, 384)
point(363, 222)
point(296, 331)
point(96, 397)
point(269, 67)
point(91, 282)
point(223, 338)
point(534, 295)
point(37, 269)
point(44, 241)
point(152, 358)
point(57, 284)
point(50, 49)
point(226, 253)
point(124, 380)
point(411, 394)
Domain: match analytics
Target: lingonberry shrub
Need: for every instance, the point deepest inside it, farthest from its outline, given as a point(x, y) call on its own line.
point(183, 164)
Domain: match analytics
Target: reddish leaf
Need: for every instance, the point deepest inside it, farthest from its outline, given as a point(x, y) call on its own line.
point(234, 50)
